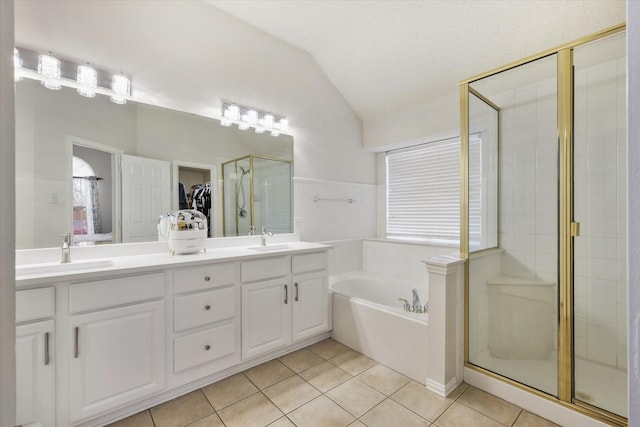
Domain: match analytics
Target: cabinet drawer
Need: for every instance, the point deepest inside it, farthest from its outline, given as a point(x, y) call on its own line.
point(204, 307)
point(309, 262)
point(202, 347)
point(196, 279)
point(34, 304)
point(109, 293)
point(271, 268)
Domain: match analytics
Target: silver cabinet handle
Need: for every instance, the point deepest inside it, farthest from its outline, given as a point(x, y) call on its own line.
point(207, 347)
point(46, 348)
point(207, 307)
point(76, 333)
point(207, 278)
point(286, 294)
point(296, 286)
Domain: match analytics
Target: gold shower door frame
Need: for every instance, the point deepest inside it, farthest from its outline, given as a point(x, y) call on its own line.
point(567, 228)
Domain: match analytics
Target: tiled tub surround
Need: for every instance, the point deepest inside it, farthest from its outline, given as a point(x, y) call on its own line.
point(105, 341)
point(329, 385)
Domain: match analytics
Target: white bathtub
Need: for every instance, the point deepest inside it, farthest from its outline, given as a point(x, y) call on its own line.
point(368, 317)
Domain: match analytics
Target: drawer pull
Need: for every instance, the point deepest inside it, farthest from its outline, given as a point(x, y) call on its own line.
point(207, 307)
point(286, 294)
point(207, 347)
point(207, 278)
point(76, 332)
point(296, 285)
point(46, 348)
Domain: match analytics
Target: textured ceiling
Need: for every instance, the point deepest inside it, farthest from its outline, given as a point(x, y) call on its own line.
point(389, 55)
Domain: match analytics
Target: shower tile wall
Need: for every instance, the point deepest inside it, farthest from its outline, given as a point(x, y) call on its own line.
point(529, 181)
point(600, 207)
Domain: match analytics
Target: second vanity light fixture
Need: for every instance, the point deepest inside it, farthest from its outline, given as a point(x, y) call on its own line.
point(54, 73)
point(247, 117)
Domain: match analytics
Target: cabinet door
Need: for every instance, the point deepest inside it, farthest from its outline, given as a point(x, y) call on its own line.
point(266, 316)
point(117, 357)
point(310, 305)
point(35, 396)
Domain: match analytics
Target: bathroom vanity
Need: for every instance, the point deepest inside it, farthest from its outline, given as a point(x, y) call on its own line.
point(104, 339)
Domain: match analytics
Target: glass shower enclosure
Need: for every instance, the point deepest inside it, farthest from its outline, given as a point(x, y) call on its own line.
point(544, 224)
point(256, 193)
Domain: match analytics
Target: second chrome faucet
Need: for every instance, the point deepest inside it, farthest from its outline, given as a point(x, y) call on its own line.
point(265, 233)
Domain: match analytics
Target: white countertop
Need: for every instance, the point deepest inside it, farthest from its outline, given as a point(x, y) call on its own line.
point(118, 265)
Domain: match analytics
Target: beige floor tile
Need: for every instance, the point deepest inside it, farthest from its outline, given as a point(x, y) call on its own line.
point(282, 422)
point(300, 360)
point(357, 423)
point(321, 412)
point(268, 373)
point(254, 411)
point(459, 415)
point(527, 419)
point(210, 421)
point(141, 419)
point(353, 362)
point(291, 393)
point(328, 348)
point(181, 411)
point(356, 397)
point(325, 376)
point(390, 413)
point(458, 391)
point(423, 402)
point(229, 390)
point(383, 379)
point(489, 405)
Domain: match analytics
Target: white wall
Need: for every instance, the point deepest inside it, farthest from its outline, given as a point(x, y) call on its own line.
point(633, 89)
point(190, 56)
point(7, 235)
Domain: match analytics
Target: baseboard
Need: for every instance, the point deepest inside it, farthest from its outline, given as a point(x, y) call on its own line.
point(442, 389)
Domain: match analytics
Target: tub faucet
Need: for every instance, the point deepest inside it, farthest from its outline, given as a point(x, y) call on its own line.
point(405, 306)
point(417, 306)
point(66, 248)
point(265, 233)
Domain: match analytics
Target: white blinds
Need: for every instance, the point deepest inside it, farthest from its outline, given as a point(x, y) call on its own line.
point(423, 191)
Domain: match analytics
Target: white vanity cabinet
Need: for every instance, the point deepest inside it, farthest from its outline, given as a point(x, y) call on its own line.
point(118, 339)
point(310, 295)
point(206, 321)
point(35, 392)
point(284, 299)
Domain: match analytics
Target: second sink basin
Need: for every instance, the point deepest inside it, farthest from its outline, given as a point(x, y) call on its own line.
point(269, 248)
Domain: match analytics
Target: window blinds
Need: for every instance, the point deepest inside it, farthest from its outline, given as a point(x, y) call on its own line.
point(423, 191)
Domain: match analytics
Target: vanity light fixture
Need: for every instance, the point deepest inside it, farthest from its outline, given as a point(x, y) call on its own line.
point(246, 117)
point(87, 80)
point(121, 86)
point(17, 65)
point(54, 73)
point(49, 69)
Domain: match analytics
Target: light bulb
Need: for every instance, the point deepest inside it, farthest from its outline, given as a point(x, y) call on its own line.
point(49, 69)
point(88, 81)
point(121, 87)
point(284, 125)
point(17, 65)
point(268, 121)
point(252, 117)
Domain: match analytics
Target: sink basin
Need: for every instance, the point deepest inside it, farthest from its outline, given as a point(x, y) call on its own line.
point(269, 248)
point(56, 267)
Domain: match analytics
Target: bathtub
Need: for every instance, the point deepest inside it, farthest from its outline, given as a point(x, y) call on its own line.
point(368, 317)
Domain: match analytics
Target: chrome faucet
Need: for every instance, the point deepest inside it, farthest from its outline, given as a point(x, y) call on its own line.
point(66, 248)
point(252, 230)
point(265, 233)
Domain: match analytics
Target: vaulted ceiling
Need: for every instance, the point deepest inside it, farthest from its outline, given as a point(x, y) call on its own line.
point(388, 55)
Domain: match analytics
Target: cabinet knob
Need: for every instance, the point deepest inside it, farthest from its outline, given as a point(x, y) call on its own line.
point(207, 307)
point(207, 278)
point(207, 347)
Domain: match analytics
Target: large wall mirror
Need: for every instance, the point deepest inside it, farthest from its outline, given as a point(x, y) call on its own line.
point(92, 167)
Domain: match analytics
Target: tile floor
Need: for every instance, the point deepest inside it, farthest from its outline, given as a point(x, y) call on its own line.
point(329, 385)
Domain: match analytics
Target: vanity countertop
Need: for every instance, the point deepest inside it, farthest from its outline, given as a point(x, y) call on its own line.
point(92, 269)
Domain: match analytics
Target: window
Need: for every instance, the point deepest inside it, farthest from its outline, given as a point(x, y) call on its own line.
point(423, 192)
